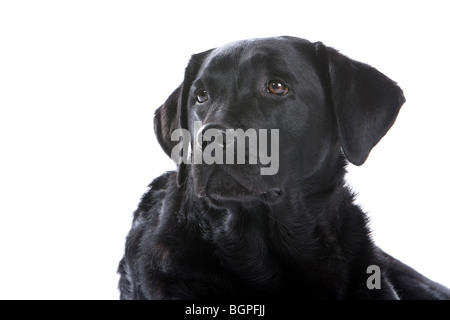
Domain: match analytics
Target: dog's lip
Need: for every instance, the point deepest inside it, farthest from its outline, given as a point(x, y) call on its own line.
point(252, 188)
point(267, 195)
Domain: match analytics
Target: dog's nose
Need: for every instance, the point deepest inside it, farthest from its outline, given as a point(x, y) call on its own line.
point(213, 133)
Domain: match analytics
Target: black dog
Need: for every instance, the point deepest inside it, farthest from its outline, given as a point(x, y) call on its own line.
point(227, 230)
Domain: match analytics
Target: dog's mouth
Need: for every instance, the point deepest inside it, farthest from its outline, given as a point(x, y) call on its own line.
point(223, 183)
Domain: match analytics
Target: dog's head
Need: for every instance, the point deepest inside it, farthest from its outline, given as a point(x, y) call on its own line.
point(274, 110)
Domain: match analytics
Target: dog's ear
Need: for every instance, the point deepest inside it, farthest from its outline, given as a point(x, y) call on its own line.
point(166, 120)
point(172, 114)
point(365, 101)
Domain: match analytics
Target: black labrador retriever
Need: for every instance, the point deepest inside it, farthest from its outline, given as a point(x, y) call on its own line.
point(284, 226)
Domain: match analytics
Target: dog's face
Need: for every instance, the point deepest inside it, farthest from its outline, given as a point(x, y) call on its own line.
point(297, 103)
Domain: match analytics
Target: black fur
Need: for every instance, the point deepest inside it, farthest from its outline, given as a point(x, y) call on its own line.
point(225, 231)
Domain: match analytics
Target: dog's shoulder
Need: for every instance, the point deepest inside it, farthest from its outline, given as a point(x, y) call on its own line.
point(142, 245)
point(153, 198)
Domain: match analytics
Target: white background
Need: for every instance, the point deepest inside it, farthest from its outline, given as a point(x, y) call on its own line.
point(80, 80)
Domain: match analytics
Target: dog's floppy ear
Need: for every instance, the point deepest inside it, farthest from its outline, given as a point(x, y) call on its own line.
point(166, 120)
point(172, 114)
point(365, 101)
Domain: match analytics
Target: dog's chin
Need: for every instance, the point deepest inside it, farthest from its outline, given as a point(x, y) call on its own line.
point(222, 187)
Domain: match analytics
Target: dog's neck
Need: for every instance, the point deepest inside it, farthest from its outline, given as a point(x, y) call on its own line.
point(294, 233)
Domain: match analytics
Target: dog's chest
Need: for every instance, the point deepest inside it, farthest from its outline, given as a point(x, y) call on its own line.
point(253, 263)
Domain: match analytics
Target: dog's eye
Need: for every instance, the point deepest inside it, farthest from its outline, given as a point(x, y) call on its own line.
point(277, 87)
point(201, 95)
